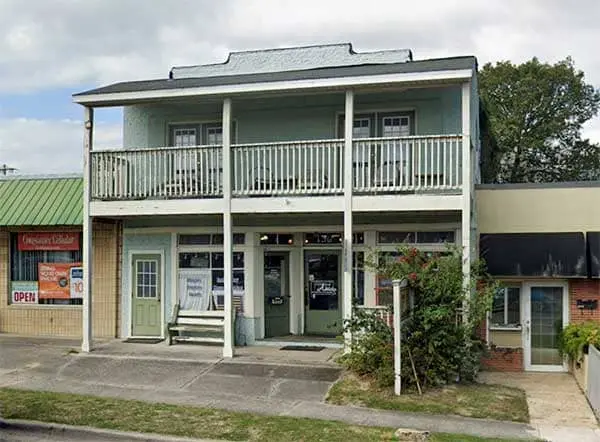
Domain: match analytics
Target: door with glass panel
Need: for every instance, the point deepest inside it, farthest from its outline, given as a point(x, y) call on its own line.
point(546, 313)
point(323, 314)
point(146, 295)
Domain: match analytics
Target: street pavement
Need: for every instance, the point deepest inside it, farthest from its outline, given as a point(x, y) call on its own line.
point(265, 385)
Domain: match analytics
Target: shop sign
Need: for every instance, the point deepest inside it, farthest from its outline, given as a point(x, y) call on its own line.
point(54, 280)
point(48, 241)
point(24, 292)
point(322, 288)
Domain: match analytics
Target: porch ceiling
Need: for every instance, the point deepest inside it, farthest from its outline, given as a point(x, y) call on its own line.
point(294, 220)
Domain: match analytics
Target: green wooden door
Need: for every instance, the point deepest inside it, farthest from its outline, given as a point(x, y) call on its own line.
point(323, 315)
point(146, 295)
point(277, 299)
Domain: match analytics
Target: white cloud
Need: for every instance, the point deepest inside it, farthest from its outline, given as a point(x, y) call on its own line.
point(76, 43)
point(50, 146)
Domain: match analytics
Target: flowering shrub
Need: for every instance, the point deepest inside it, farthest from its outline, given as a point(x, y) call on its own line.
point(438, 337)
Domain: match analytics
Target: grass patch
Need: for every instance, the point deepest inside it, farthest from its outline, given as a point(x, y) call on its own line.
point(176, 420)
point(477, 400)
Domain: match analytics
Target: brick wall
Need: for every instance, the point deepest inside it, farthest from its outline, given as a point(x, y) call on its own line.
point(503, 359)
point(583, 289)
point(66, 321)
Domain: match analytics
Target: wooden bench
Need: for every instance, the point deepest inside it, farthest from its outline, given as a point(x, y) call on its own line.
point(192, 321)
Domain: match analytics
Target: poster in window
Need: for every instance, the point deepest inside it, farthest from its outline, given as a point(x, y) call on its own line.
point(194, 289)
point(76, 282)
point(54, 280)
point(24, 292)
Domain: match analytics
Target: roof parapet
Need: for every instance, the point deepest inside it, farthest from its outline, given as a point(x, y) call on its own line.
point(291, 59)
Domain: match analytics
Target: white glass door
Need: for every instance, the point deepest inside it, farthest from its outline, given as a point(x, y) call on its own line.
point(546, 314)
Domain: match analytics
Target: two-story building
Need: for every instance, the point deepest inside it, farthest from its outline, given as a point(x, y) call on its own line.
point(257, 185)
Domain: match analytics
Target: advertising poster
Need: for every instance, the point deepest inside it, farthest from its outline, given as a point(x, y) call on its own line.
point(53, 279)
point(194, 286)
point(24, 292)
point(76, 282)
point(48, 241)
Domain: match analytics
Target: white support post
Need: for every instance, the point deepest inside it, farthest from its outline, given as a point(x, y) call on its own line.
point(227, 232)
point(466, 186)
point(396, 286)
point(86, 330)
point(347, 286)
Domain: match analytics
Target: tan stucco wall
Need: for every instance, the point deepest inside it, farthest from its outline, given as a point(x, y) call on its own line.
point(573, 209)
point(65, 321)
point(506, 338)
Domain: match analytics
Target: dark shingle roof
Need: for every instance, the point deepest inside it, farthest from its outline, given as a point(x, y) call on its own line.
point(455, 63)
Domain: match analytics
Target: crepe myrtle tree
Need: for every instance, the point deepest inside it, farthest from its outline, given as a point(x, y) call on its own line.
point(439, 327)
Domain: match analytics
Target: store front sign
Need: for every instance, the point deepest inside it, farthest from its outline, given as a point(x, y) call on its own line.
point(322, 288)
point(48, 241)
point(24, 292)
point(54, 280)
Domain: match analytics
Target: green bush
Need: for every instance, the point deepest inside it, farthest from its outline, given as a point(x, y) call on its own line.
point(372, 348)
point(576, 338)
point(439, 343)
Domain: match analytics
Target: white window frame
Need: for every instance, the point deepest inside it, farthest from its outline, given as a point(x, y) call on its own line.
point(400, 117)
point(505, 325)
point(174, 127)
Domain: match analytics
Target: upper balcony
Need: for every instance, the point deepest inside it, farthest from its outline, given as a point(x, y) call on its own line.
point(385, 165)
point(282, 131)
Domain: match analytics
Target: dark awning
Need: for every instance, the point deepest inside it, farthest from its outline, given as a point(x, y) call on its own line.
point(535, 254)
point(593, 243)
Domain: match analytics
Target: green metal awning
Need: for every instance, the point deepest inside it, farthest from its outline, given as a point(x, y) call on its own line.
point(47, 201)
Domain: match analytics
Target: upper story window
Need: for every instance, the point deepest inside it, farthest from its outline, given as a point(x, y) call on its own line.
point(361, 128)
point(395, 126)
point(187, 135)
point(214, 135)
point(375, 124)
point(184, 136)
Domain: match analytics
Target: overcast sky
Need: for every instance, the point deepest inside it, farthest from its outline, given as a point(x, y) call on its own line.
point(50, 49)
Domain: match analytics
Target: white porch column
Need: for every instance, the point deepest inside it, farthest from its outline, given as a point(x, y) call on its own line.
point(86, 330)
point(348, 181)
point(466, 183)
point(227, 231)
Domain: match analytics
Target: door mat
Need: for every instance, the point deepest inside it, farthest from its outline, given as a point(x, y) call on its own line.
point(302, 348)
point(143, 340)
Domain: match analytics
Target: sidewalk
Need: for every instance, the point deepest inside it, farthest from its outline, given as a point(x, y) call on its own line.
point(258, 387)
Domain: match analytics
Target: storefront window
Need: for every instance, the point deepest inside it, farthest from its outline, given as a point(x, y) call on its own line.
point(202, 274)
point(277, 239)
point(331, 238)
point(506, 307)
point(416, 237)
point(204, 239)
point(358, 278)
point(45, 268)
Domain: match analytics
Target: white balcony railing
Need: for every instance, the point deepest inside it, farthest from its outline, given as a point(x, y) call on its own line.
point(380, 165)
point(157, 173)
point(407, 163)
point(292, 168)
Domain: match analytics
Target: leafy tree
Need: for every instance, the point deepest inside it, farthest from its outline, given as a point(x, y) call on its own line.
point(536, 112)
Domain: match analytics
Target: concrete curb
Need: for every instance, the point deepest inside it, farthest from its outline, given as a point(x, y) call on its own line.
point(83, 433)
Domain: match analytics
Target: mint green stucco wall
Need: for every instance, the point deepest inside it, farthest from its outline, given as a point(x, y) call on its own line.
point(143, 243)
point(437, 111)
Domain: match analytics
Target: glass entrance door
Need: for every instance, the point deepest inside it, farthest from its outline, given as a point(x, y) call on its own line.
point(277, 297)
point(546, 315)
point(322, 293)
